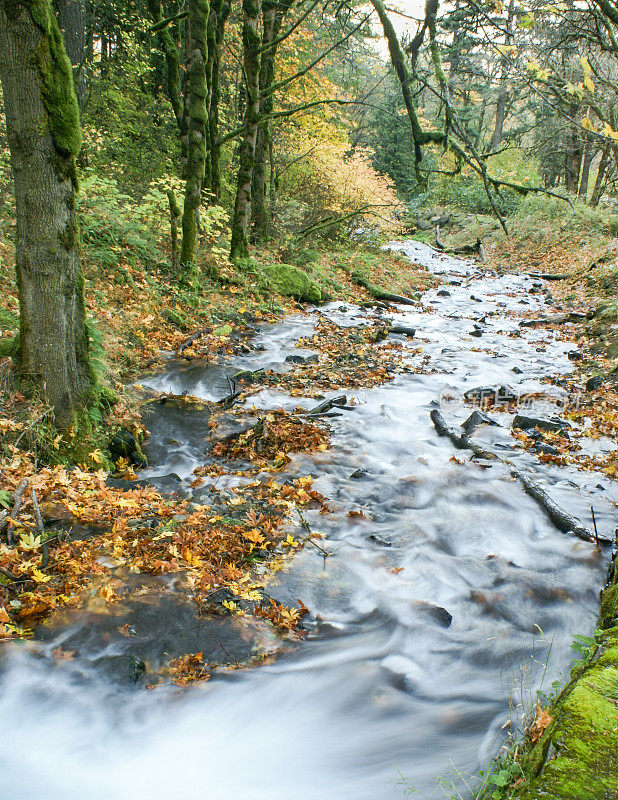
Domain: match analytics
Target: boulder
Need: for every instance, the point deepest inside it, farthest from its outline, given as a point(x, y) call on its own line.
point(291, 281)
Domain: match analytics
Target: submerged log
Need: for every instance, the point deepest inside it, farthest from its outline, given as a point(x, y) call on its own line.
point(564, 521)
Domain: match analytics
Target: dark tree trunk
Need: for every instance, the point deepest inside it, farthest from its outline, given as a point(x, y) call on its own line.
point(585, 176)
point(219, 13)
point(273, 14)
point(195, 103)
point(73, 20)
point(172, 67)
point(251, 58)
point(44, 136)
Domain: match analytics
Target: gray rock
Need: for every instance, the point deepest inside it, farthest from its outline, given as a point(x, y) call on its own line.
point(524, 423)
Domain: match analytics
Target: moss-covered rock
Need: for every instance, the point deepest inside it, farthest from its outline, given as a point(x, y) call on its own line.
point(291, 281)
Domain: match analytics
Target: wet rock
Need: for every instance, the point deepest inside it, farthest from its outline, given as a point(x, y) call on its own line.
point(546, 449)
point(334, 402)
point(574, 355)
point(123, 444)
point(475, 419)
point(594, 383)
point(476, 299)
point(246, 376)
point(379, 540)
point(444, 293)
point(125, 669)
point(405, 330)
point(228, 426)
point(517, 370)
point(476, 332)
point(214, 601)
point(524, 423)
point(435, 614)
point(500, 394)
point(296, 359)
point(359, 473)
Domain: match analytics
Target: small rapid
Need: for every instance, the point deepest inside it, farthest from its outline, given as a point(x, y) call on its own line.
point(447, 600)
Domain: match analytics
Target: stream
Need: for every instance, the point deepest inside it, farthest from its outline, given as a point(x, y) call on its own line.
point(440, 611)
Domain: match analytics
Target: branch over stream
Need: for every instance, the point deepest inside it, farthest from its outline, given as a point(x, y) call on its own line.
point(564, 521)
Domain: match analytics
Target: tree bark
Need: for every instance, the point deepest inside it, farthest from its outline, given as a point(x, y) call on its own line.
point(251, 59)
point(585, 176)
point(219, 13)
point(44, 136)
point(197, 115)
point(599, 183)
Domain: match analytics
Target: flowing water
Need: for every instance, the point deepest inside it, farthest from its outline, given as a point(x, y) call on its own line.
point(409, 671)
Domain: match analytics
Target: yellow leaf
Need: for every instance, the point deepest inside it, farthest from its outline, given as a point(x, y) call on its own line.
point(39, 577)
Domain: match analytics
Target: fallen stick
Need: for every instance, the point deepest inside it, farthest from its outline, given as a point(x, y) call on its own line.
point(9, 520)
point(564, 521)
point(38, 518)
point(188, 342)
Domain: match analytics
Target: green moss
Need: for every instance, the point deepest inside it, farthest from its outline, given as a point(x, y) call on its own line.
point(291, 281)
point(9, 347)
point(58, 88)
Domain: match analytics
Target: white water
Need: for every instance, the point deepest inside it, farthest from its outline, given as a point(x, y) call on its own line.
point(380, 685)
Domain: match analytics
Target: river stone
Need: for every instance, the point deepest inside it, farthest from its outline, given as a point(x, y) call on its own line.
point(594, 383)
point(501, 394)
point(123, 444)
point(359, 473)
point(228, 426)
point(434, 613)
point(525, 423)
point(125, 668)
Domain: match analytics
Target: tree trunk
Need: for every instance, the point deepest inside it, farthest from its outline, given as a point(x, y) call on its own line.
point(224, 8)
point(44, 136)
point(251, 58)
point(585, 176)
point(273, 14)
point(599, 183)
point(73, 22)
point(503, 95)
point(195, 103)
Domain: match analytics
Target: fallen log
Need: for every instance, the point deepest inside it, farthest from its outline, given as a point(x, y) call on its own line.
point(380, 294)
point(547, 276)
point(564, 521)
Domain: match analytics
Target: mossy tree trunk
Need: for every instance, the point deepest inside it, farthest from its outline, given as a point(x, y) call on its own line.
point(197, 118)
point(169, 47)
point(273, 14)
point(44, 136)
point(222, 10)
point(246, 152)
point(73, 19)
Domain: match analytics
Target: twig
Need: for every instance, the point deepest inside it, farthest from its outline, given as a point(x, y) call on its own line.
point(305, 526)
point(594, 522)
point(32, 424)
point(9, 521)
point(40, 528)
